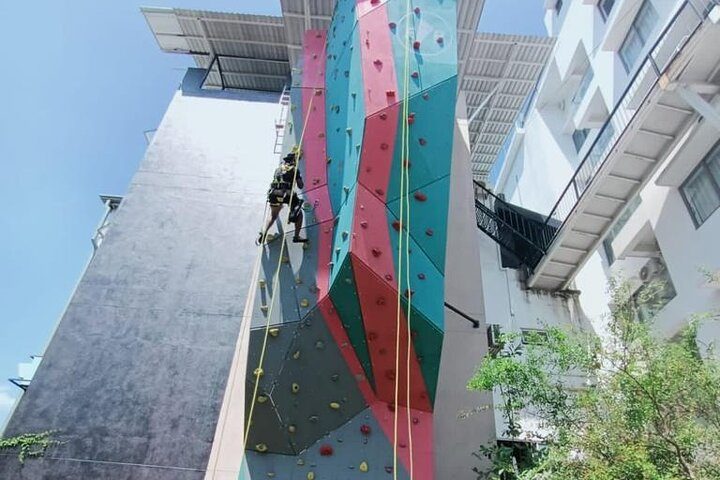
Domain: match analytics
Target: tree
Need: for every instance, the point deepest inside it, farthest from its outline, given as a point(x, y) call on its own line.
point(648, 408)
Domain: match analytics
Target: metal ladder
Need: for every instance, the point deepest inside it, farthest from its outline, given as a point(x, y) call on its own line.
point(281, 122)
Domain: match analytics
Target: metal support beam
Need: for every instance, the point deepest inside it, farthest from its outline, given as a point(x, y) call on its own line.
point(700, 105)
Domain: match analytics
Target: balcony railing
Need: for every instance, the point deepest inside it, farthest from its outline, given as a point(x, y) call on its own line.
point(676, 34)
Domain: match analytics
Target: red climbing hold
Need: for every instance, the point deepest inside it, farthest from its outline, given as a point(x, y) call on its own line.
point(383, 116)
point(416, 44)
point(415, 420)
point(411, 119)
point(420, 197)
point(389, 93)
point(365, 429)
point(391, 407)
point(374, 2)
point(376, 252)
point(384, 146)
point(380, 191)
point(372, 336)
point(363, 224)
point(318, 92)
point(326, 450)
point(396, 225)
point(380, 301)
point(378, 62)
point(388, 277)
point(429, 232)
point(390, 374)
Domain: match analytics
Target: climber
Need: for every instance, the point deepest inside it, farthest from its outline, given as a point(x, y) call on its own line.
point(281, 192)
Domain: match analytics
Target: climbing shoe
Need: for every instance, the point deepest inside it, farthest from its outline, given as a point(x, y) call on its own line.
point(260, 239)
point(299, 240)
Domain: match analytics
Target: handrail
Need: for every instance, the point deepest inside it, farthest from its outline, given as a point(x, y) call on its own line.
point(579, 188)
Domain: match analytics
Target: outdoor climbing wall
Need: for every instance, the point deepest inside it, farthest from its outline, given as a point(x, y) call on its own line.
point(326, 403)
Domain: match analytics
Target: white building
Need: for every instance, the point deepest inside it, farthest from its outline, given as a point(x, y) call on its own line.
point(620, 148)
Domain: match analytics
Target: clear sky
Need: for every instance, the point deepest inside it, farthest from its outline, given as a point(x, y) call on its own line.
point(82, 80)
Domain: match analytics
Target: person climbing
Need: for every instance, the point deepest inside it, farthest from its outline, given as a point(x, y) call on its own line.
point(282, 192)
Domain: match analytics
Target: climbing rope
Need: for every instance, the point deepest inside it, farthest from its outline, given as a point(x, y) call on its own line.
point(404, 224)
point(258, 372)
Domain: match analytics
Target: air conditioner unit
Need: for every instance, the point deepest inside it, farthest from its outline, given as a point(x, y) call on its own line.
point(653, 269)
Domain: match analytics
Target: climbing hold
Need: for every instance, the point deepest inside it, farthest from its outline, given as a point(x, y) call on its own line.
point(377, 62)
point(382, 351)
point(380, 301)
point(310, 476)
point(274, 332)
point(318, 92)
point(389, 93)
point(258, 372)
point(426, 96)
point(374, 2)
point(422, 141)
point(440, 40)
point(295, 388)
point(392, 25)
point(348, 281)
point(306, 246)
point(384, 146)
point(334, 405)
point(380, 191)
point(285, 259)
point(326, 450)
point(383, 115)
point(396, 225)
point(313, 419)
point(261, 448)
point(321, 135)
point(417, 10)
point(415, 420)
point(389, 469)
point(391, 407)
point(411, 119)
point(345, 235)
point(409, 293)
point(429, 232)
point(335, 377)
point(296, 355)
point(261, 283)
point(264, 308)
point(363, 224)
point(298, 281)
point(365, 429)
point(416, 44)
point(390, 374)
point(337, 251)
point(346, 189)
point(376, 252)
point(292, 428)
point(349, 131)
point(415, 75)
point(388, 277)
point(329, 160)
point(364, 467)
point(300, 462)
point(262, 398)
point(372, 336)
point(304, 303)
point(421, 276)
point(271, 474)
point(420, 197)
point(320, 345)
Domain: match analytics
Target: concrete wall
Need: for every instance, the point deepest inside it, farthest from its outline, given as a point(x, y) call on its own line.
point(134, 376)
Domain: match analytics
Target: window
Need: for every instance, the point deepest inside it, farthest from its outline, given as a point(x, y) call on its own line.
point(701, 190)
point(558, 6)
point(495, 344)
point(606, 7)
point(532, 336)
point(638, 34)
point(579, 137)
point(584, 85)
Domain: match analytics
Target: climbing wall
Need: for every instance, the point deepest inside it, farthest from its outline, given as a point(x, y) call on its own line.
point(326, 403)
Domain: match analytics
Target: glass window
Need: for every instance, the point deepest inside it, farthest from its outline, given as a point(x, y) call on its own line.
point(701, 190)
point(584, 85)
point(606, 7)
point(638, 34)
point(579, 137)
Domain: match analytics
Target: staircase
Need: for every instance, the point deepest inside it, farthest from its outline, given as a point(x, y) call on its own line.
point(281, 122)
point(519, 232)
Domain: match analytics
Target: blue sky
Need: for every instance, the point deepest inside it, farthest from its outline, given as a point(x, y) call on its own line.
point(82, 80)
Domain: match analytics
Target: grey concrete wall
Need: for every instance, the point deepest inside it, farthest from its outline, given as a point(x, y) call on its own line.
point(461, 425)
point(134, 376)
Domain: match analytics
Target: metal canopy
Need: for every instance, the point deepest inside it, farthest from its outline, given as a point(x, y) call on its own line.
point(256, 52)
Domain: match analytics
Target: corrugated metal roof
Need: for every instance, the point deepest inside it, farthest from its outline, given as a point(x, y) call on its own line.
point(257, 51)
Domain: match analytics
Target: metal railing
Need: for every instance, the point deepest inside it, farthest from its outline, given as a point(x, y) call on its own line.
point(674, 36)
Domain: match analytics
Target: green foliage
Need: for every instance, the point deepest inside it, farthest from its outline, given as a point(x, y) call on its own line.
point(637, 407)
point(29, 445)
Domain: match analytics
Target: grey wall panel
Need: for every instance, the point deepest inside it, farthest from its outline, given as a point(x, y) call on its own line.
point(136, 370)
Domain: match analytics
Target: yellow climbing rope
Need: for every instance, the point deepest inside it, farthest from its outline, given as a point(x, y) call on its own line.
point(404, 224)
point(258, 372)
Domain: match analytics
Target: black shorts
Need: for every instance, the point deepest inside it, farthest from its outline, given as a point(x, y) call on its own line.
point(278, 198)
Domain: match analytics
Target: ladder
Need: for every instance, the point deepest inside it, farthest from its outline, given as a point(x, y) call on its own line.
point(281, 122)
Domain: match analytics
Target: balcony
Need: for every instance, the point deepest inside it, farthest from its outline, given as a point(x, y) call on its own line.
point(632, 143)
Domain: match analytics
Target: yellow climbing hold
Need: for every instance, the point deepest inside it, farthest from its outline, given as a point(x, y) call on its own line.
point(296, 355)
point(261, 282)
point(274, 332)
point(298, 280)
point(292, 429)
point(258, 372)
point(261, 447)
point(295, 388)
point(335, 405)
point(364, 467)
point(304, 303)
point(262, 398)
point(310, 476)
point(264, 308)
